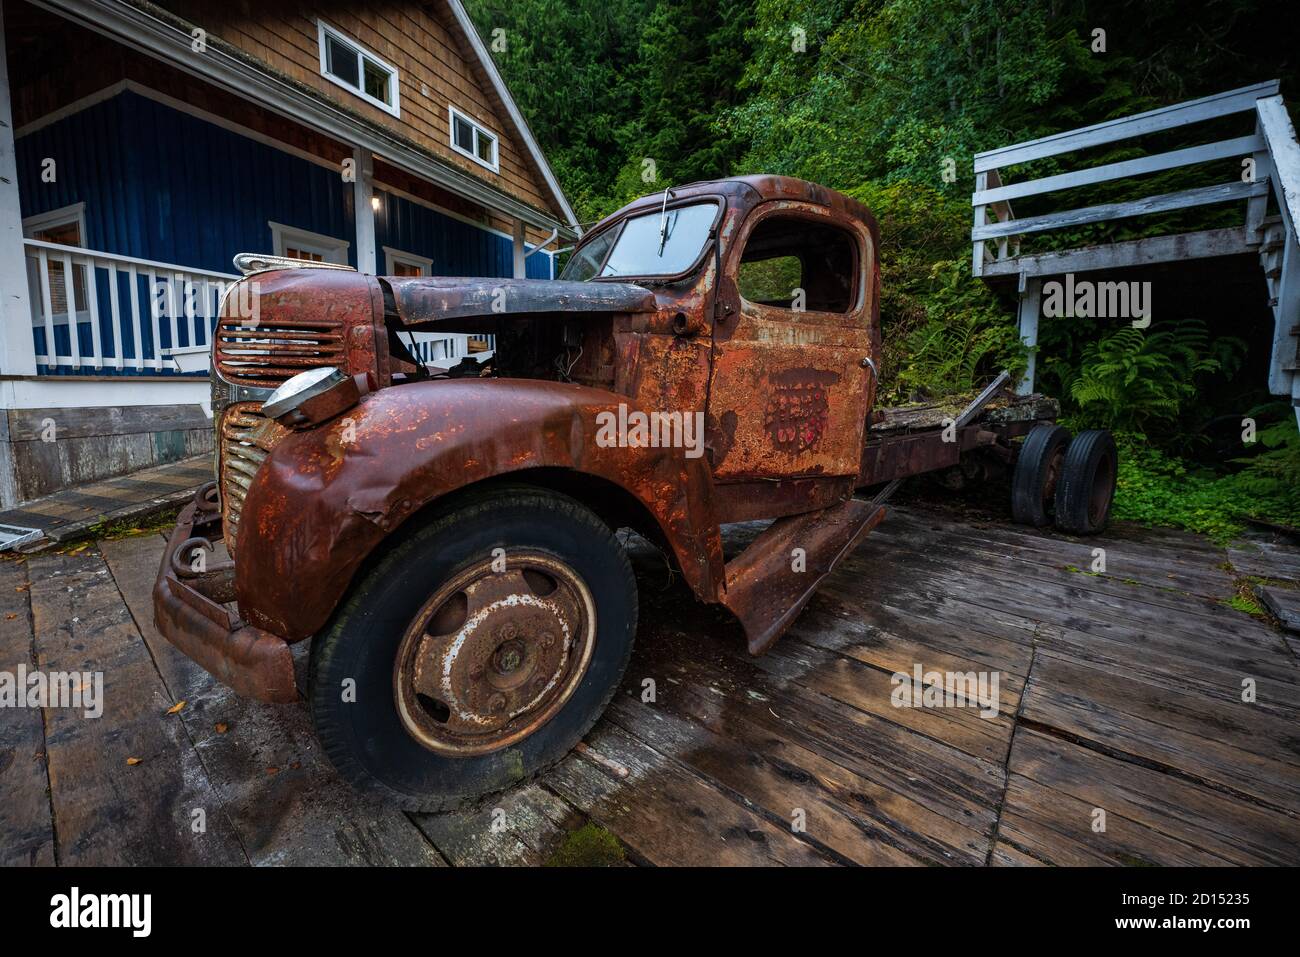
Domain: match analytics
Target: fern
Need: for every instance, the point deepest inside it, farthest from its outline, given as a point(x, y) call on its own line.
point(1134, 379)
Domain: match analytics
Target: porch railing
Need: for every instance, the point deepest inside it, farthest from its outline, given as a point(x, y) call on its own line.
point(993, 196)
point(99, 313)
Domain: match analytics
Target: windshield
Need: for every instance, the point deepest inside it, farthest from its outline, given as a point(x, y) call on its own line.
point(636, 249)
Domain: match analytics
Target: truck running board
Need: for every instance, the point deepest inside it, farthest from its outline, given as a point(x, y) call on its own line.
point(763, 589)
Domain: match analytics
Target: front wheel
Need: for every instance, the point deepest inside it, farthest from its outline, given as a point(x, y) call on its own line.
point(477, 652)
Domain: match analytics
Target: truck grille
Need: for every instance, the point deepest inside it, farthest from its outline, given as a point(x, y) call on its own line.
point(247, 437)
point(264, 354)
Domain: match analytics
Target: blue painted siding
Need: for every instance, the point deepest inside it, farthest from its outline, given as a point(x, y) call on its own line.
point(161, 184)
point(457, 248)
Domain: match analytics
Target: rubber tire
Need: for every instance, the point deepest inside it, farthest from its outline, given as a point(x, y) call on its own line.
point(366, 741)
point(1090, 453)
point(1027, 481)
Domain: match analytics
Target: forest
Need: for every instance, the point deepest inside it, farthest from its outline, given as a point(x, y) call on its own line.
point(887, 101)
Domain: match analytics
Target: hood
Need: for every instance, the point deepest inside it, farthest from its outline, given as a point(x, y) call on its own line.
point(429, 299)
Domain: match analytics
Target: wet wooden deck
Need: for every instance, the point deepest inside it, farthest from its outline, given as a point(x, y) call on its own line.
point(1118, 693)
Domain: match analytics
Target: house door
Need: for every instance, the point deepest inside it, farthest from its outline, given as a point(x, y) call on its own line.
point(789, 392)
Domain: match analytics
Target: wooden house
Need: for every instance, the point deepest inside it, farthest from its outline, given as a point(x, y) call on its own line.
point(142, 145)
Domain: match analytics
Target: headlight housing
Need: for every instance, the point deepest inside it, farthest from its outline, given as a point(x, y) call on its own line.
point(313, 397)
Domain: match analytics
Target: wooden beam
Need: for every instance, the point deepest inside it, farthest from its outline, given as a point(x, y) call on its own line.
point(1127, 127)
point(1184, 199)
point(1192, 155)
point(1206, 244)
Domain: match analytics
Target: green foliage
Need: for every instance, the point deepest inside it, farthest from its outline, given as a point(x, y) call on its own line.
point(1158, 489)
point(888, 100)
point(1133, 379)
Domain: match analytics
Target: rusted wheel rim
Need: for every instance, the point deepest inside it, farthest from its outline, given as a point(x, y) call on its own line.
point(494, 654)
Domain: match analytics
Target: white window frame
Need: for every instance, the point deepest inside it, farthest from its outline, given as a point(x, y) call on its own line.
point(324, 30)
point(75, 213)
point(394, 256)
point(333, 250)
point(452, 115)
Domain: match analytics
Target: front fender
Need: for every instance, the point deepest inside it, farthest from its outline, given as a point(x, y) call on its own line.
point(325, 498)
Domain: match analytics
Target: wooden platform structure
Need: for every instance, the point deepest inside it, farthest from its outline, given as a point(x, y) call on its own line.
point(1121, 735)
point(1267, 187)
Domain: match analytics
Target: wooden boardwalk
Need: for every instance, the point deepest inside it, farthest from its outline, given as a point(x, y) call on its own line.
point(1119, 703)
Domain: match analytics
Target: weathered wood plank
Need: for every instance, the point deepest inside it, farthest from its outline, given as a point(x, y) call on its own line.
point(1242, 774)
point(854, 817)
point(107, 810)
point(1172, 159)
point(1234, 830)
point(522, 827)
point(1205, 244)
point(1104, 212)
point(667, 815)
point(1060, 828)
point(76, 423)
point(281, 795)
point(936, 776)
point(1127, 127)
point(26, 822)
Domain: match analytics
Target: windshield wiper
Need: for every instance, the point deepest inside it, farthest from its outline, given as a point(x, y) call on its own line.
point(663, 223)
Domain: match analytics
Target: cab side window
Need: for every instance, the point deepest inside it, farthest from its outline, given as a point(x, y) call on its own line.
point(790, 262)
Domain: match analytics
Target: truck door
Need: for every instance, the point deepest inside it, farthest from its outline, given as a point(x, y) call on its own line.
point(789, 391)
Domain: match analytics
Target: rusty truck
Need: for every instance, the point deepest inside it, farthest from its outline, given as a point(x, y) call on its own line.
point(444, 535)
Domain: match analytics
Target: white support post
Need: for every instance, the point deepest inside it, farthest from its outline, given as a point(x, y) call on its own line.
point(17, 347)
point(1030, 291)
point(363, 191)
point(520, 268)
point(981, 217)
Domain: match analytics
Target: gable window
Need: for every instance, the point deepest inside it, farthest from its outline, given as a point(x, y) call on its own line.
point(352, 66)
point(471, 139)
point(311, 247)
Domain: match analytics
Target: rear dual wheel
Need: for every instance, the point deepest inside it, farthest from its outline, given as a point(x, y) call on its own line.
point(1070, 482)
point(476, 652)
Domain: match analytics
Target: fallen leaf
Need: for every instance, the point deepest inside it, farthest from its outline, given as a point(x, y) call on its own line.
point(11, 616)
point(22, 587)
point(176, 707)
point(296, 765)
point(221, 727)
point(272, 770)
point(133, 761)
